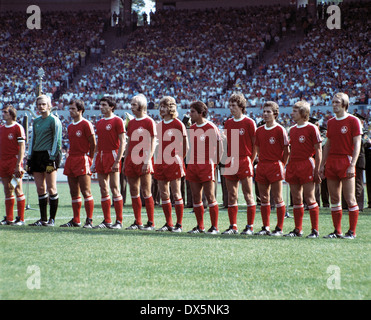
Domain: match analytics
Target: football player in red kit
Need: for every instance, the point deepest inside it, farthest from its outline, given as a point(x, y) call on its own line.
point(12, 149)
point(272, 146)
point(107, 161)
point(206, 147)
point(169, 166)
point(240, 133)
point(340, 155)
point(138, 164)
point(302, 171)
point(81, 136)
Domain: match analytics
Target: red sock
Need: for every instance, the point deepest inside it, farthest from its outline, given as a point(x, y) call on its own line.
point(118, 203)
point(198, 208)
point(281, 211)
point(353, 218)
point(89, 207)
point(136, 203)
point(150, 208)
point(179, 210)
point(337, 213)
point(76, 207)
point(251, 210)
point(106, 207)
point(314, 215)
point(9, 207)
point(166, 208)
point(298, 216)
point(21, 206)
point(265, 209)
point(232, 214)
point(214, 214)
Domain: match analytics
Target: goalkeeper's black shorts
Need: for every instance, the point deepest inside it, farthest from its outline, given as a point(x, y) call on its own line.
point(40, 160)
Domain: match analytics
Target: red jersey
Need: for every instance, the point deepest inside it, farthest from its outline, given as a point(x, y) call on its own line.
point(10, 137)
point(140, 132)
point(246, 128)
point(108, 130)
point(341, 133)
point(271, 142)
point(78, 135)
point(302, 140)
point(203, 140)
point(170, 137)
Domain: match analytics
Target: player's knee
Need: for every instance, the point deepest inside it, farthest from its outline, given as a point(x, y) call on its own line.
point(86, 193)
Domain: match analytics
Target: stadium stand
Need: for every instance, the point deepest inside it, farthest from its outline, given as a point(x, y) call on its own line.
point(211, 54)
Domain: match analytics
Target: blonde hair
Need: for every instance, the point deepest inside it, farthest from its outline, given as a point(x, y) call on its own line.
point(170, 103)
point(47, 98)
point(304, 109)
point(141, 100)
point(344, 99)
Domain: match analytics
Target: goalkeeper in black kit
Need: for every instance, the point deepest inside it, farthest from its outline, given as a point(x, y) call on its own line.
point(44, 156)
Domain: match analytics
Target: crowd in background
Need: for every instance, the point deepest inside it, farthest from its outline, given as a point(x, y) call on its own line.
point(65, 41)
point(211, 54)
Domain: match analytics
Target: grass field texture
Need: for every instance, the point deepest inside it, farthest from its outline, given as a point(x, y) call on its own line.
point(76, 263)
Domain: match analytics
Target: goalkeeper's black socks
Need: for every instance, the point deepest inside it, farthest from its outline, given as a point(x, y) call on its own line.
point(53, 202)
point(43, 202)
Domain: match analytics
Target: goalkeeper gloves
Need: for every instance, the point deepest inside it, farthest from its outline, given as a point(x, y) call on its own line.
point(50, 167)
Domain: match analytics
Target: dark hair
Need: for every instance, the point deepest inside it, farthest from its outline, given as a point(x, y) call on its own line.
point(12, 111)
point(111, 101)
point(200, 107)
point(80, 105)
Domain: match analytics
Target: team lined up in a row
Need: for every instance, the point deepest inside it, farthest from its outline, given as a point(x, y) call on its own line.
point(301, 153)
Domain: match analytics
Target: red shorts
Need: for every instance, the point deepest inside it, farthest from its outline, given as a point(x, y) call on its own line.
point(7, 167)
point(300, 172)
point(169, 172)
point(135, 170)
point(242, 168)
point(104, 162)
point(200, 172)
point(269, 172)
point(77, 166)
point(336, 167)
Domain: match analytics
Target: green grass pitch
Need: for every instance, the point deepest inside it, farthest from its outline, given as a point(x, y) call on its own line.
point(75, 263)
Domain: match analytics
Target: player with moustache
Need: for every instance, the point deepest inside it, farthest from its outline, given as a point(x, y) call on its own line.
point(82, 141)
